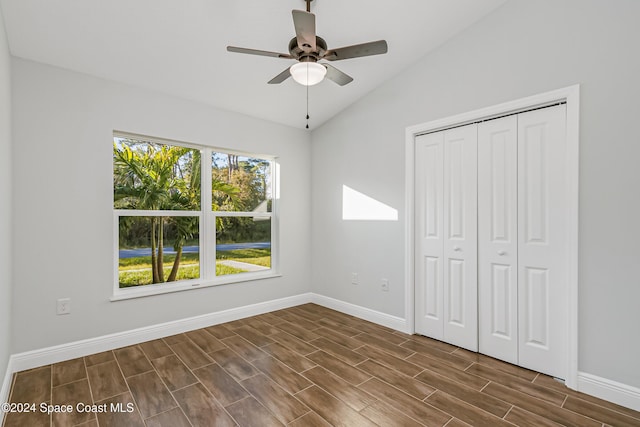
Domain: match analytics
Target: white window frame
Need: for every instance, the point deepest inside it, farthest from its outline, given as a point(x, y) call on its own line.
point(207, 227)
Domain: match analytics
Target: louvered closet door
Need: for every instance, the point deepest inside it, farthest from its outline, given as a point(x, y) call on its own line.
point(542, 241)
point(498, 238)
point(446, 236)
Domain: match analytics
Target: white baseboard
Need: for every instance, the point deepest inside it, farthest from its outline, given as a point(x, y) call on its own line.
point(46, 356)
point(613, 391)
point(59, 353)
point(393, 322)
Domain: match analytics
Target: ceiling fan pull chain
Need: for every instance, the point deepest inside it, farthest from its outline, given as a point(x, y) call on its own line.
point(308, 5)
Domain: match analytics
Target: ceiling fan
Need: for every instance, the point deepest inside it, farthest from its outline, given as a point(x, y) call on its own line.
point(307, 48)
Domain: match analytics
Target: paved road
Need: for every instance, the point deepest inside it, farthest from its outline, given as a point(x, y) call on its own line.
point(132, 253)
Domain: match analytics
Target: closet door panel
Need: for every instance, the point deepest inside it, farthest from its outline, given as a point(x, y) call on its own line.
point(542, 247)
point(535, 290)
point(432, 299)
point(502, 310)
point(429, 223)
point(456, 293)
point(498, 239)
point(460, 240)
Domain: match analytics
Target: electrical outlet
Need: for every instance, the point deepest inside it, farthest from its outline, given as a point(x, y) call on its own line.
point(385, 285)
point(354, 279)
point(64, 306)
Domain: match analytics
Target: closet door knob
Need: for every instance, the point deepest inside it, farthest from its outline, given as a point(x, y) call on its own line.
point(502, 253)
point(457, 248)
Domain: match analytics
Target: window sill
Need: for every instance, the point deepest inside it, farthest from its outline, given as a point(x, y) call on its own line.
point(164, 288)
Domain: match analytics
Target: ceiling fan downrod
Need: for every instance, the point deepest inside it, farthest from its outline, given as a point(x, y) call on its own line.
point(308, 5)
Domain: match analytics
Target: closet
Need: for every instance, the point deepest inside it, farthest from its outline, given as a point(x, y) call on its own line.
point(490, 246)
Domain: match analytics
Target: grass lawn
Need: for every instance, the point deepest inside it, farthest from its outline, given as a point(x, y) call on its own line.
point(251, 256)
point(137, 271)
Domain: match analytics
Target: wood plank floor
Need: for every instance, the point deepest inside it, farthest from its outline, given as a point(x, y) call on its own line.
point(304, 366)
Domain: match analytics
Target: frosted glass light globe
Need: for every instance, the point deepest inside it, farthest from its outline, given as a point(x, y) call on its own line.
point(307, 73)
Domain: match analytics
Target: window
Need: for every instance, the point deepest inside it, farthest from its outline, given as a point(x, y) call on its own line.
point(181, 222)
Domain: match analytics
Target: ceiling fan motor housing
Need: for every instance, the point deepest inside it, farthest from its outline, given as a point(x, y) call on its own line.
point(302, 56)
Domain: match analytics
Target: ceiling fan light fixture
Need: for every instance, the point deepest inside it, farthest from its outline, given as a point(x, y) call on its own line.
point(308, 73)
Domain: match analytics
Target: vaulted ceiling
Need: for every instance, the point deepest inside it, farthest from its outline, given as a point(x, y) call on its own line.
point(178, 47)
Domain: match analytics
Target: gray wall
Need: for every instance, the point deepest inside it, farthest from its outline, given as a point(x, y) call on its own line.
point(523, 48)
point(5, 201)
point(62, 214)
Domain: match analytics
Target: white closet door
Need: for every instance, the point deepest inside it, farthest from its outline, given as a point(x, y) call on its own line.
point(446, 236)
point(429, 226)
point(498, 238)
point(460, 252)
point(542, 242)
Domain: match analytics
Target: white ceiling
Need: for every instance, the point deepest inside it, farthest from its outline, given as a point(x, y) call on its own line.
point(179, 46)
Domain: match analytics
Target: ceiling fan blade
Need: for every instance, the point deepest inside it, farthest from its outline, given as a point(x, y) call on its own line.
point(355, 51)
point(337, 76)
point(305, 24)
point(258, 52)
point(280, 77)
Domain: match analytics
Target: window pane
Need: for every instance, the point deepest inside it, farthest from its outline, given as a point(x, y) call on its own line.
point(152, 176)
point(243, 244)
point(146, 243)
point(240, 183)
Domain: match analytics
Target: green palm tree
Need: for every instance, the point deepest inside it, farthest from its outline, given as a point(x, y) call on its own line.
point(187, 198)
point(151, 177)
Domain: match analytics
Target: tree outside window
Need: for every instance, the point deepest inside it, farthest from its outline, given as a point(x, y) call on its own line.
point(164, 230)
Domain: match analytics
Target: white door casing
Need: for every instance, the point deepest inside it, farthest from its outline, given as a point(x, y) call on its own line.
point(571, 97)
point(498, 238)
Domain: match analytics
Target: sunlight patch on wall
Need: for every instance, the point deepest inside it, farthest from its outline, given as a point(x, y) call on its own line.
point(360, 207)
